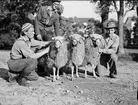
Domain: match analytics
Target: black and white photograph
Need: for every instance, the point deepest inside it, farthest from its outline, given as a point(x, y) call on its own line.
point(68, 52)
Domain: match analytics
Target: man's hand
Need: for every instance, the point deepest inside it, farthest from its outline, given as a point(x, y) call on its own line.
point(103, 51)
point(39, 37)
point(47, 43)
point(47, 49)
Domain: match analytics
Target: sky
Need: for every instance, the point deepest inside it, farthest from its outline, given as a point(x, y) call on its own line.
point(85, 9)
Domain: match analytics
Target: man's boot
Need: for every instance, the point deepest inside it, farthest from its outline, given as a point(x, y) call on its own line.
point(23, 82)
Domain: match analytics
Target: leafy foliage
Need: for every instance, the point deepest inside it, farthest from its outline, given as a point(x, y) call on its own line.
point(13, 15)
point(135, 29)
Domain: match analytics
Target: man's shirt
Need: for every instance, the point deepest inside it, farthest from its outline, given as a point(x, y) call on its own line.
point(111, 44)
point(22, 48)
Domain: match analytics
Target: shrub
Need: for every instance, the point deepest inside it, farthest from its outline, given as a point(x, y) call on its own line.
point(7, 38)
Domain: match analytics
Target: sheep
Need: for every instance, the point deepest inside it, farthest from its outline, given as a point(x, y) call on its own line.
point(77, 52)
point(57, 56)
point(92, 54)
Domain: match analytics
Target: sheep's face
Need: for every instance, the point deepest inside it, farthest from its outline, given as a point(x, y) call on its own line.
point(98, 43)
point(96, 39)
point(74, 42)
point(58, 44)
point(58, 41)
point(76, 38)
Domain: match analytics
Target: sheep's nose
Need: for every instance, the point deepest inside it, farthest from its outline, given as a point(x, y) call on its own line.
point(98, 43)
point(74, 42)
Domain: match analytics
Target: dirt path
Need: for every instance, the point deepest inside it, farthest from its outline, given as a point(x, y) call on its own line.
point(80, 91)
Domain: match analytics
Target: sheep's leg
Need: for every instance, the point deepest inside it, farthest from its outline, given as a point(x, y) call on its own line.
point(58, 74)
point(77, 71)
point(93, 70)
point(54, 74)
point(46, 71)
point(72, 72)
point(86, 69)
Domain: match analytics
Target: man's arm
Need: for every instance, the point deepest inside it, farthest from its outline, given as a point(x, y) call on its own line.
point(28, 53)
point(37, 21)
point(114, 47)
point(56, 25)
point(39, 44)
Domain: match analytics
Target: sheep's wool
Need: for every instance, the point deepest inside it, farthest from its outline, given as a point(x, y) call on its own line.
point(62, 55)
point(92, 55)
point(78, 53)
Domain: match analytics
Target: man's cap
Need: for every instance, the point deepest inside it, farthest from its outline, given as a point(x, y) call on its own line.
point(26, 26)
point(111, 25)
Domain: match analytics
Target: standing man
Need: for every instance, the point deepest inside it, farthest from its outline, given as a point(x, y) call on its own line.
point(23, 60)
point(109, 50)
point(47, 21)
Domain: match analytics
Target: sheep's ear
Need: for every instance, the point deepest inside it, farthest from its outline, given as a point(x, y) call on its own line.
point(69, 36)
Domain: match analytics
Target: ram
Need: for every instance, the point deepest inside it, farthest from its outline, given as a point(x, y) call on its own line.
point(92, 54)
point(77, 52)
point(57, 56)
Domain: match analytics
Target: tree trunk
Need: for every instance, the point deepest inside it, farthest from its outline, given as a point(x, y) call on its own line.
point(121, 24)
point(104, 15)
point(137, 10)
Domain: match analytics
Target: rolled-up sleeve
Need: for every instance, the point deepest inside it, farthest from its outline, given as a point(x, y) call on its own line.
point(25, 50)
point(36, 43)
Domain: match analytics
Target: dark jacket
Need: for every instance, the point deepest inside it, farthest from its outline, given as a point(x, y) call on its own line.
point(43, 20)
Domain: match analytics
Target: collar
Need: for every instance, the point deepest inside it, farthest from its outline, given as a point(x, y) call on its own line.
point(112, 38)
point(26, 39)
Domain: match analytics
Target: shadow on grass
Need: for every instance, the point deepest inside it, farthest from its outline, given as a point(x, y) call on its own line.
point(4, 73)
point(134, 57)
point(63, 70)
point(129, 57)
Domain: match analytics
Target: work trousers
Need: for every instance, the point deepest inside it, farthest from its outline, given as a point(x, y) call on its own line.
point(24, 67)
point(111, 60)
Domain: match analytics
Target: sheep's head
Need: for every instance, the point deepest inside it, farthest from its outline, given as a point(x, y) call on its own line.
point(96, 39)
point(58, 41)
point(76, 38)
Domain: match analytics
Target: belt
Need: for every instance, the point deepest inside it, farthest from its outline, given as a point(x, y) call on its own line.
point(48, 25)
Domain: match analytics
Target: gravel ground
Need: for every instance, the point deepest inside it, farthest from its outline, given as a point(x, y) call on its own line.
point(80, 91)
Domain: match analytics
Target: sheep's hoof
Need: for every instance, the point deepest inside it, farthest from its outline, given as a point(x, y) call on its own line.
point(58, 78)
point(77, 75)
point(72, 78)
point(54, 80)
point(94, 76)
point(85, 76)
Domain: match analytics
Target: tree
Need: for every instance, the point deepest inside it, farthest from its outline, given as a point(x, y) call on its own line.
point(13, 13)
point(103, 9)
